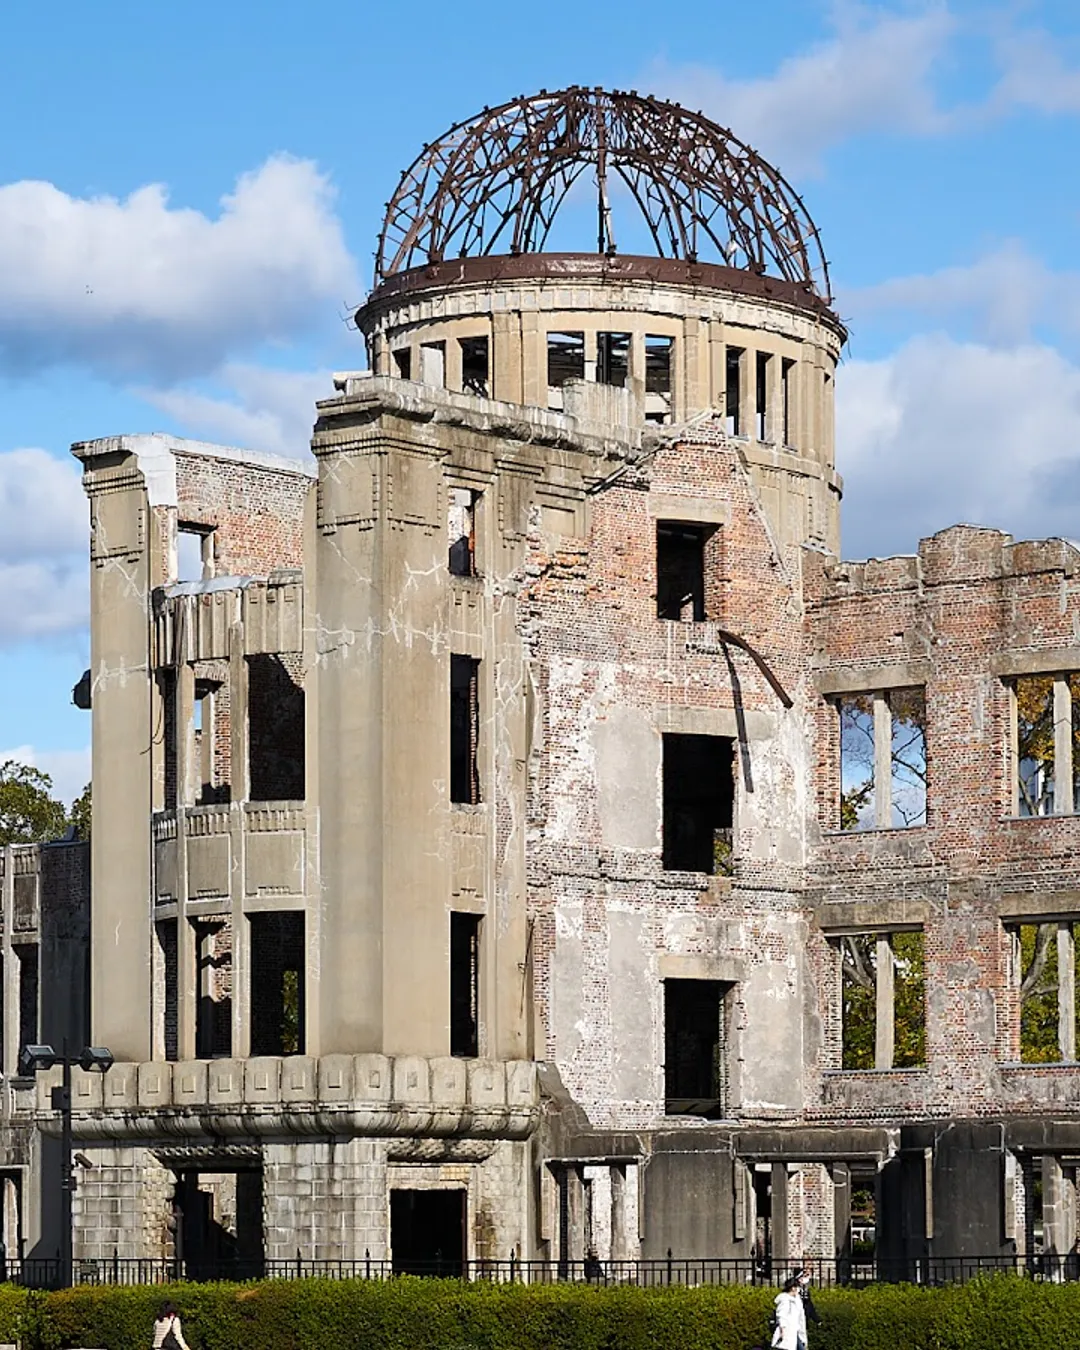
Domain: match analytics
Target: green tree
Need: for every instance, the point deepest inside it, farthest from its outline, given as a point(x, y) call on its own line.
point(80, 814)
point(29, 813)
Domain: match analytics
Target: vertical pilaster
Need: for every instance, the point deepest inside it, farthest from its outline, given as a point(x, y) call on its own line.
point(1066, 964)
point(779, 1225)
point(774, 401)
point(882, 763)
point(885, 993)
point(1063, 770)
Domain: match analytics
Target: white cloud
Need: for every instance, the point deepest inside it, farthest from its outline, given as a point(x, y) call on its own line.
point(1034, 75)
point(44, 534)
point(68, 769)
point(944, 431)
point(874, 75)
point(141, 289)
point(272, 410)
point(1001, 296)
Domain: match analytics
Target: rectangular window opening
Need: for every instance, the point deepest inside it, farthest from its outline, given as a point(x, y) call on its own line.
point(475, 366)
point(26, 954)
point(883, 997)
point(277, 986)
point(681, 555)
point(733, 392)
point(461, 519)
point(167, 977)
point(213, 1007)
point(433, 364)
point(699, 800)
point(166, 680)
point(762, 392)
point(276, 727)
point(194, 552)
point(464, 730)
point(403, 363)
point(465, 985)
point(613, 359)
point(786, 380)
point(565, 358)
point(695, 1059)
point(885, 790)
point(658, 377)
point(1044, 956)
point(1035, 745)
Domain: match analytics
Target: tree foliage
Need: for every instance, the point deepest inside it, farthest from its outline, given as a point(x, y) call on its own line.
point(80, 814)
point(859, 972)
point(29, 813)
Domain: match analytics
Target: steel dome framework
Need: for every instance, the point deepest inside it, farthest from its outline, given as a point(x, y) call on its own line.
point(494, 184)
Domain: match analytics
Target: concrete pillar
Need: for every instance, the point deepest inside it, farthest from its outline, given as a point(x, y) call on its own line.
point(329, 1201)
point(774, 401)
point(1059, 1214)
point(637, 371)
point(717, 367)
point(747, 393)
point(841, 1180)
point(619, 1243)
point(1066, 955)
point(534, 365)
point(575, 1205)
point(779, 1224)
point(590, 347)
point(506, 343)
point(882, 763)
point(1063, 769)
point(126, 560)
point(453, 364)
point(884, 1017)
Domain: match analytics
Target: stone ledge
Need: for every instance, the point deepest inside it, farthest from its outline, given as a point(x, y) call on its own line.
point(298, 1095)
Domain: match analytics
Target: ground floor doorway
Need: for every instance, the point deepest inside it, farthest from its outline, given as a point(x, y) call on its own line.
point(428, 1232)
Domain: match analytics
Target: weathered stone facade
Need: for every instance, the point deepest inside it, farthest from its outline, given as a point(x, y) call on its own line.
point(477, 865)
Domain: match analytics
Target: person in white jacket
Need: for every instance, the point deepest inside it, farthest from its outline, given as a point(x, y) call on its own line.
point(790, 1319)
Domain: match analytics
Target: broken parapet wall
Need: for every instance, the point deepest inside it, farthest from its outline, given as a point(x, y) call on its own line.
point(964, 619)
point(611, 923)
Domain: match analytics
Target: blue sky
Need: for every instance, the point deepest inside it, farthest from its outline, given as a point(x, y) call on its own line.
point(190, 197)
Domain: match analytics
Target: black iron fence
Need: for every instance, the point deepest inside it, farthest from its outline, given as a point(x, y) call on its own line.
point(670, 1270)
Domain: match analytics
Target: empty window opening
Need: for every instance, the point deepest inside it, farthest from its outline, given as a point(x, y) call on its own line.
point(275, 727)
point(883, 995)
point(166, 984)
point(762, 384)
point(461, 518)
point(465, 985)
point(565, 358)
point(681, 556)
point(277, 983)
point(699, 795)
point(433, 364)
point(883, 765)
point(213, 1008)
point(1046, 777)
point(658, 377)
point(786, 381)
point(403, 363)
point(194, 552)
point(475, 366)
point(29, 1021)
point(428, 1232)
point(613, 358)
point(464, 730)
point(166, 682)
point(1044, 974)
point(218, 1224)
point(695, 1059)
point(733, 410)
point(212, 741)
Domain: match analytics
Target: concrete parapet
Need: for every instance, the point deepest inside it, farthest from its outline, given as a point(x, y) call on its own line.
point(341, 1095)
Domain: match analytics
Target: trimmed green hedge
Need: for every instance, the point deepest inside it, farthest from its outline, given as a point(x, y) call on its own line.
point(999, 1313)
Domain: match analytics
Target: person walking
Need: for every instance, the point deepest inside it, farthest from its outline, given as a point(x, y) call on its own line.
point(168, 1333)
point(788, 1317)
point(806, 1309)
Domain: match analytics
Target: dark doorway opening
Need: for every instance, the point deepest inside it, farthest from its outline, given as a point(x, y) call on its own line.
point(465, 985)
point(699, 796)
point(464, 730)
point(427, 1232)
point(218, 1229)
point(695, 1062)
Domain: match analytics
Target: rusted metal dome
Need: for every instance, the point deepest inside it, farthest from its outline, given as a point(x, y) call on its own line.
point(494, 184)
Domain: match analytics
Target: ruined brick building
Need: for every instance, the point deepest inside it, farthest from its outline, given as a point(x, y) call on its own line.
point(515, 830)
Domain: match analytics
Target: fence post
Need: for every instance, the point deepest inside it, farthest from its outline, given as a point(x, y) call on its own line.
point(669, 1265)
point(513, 1259)
point(116, 1265)
point(299, 1272)
point(367, 1263)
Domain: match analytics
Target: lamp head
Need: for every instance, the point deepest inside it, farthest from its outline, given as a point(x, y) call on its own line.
point(35, 1059)
point(96, 1057)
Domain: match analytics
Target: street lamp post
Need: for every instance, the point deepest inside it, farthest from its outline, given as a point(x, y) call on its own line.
point(37, 1058)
